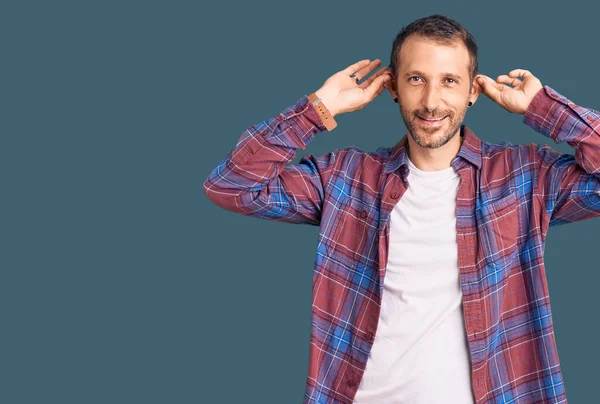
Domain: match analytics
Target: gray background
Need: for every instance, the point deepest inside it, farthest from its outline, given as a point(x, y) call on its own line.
point(121, 282)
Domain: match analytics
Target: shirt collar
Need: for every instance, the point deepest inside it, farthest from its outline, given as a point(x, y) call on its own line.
point(470, 150)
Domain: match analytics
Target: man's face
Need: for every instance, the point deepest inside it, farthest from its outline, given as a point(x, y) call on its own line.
point(435, 77)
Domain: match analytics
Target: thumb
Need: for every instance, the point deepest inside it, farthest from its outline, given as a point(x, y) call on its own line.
point(377, 86)
point(490, 87)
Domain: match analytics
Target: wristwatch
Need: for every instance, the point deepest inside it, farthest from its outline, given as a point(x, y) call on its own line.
point(324, 113)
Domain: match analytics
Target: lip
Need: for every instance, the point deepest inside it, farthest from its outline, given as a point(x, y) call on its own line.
point(432, 124)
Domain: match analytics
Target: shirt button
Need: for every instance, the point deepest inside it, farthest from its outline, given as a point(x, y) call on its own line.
point(351, 382)
point(369, 336)
point(394, 195)
point(363, 214)
point(590, 118)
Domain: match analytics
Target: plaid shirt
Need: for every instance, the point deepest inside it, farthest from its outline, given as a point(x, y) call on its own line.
point(508, 197)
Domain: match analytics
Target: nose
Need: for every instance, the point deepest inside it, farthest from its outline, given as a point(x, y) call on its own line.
point(431, 97)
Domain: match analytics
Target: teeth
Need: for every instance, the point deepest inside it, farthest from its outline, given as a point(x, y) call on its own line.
point(432, 120)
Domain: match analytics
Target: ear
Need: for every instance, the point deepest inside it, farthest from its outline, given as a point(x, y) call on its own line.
point(476, 89)
point(392, 89)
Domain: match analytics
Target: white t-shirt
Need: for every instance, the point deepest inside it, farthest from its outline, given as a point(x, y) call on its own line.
point(420, 352)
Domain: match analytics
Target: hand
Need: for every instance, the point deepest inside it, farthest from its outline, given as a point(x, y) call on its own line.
point(513, 99)
point(340, 93)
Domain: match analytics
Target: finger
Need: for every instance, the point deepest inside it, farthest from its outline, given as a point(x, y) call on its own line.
point(508, 80)
point(520, 73)
point(356, 66)
point(364, 72)
point(488, 83)
point(388, 78)
point(531, 84)
point(367, 82)
point(376, 87)
point(370, 67)
point(490, 87)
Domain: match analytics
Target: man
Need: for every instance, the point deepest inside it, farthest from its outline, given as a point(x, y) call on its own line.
point(429, 283)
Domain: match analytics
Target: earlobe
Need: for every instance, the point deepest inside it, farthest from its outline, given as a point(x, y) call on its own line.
point(394, 93)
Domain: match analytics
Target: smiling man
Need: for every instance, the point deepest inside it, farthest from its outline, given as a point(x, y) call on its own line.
point(429, 283)
point(434, 118)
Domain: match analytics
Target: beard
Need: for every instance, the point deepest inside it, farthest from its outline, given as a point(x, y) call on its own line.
point(432, 137)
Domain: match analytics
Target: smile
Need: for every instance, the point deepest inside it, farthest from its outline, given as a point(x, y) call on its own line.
point(431, 122)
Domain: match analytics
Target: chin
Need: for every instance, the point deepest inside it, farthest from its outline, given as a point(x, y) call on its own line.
point(431, 140)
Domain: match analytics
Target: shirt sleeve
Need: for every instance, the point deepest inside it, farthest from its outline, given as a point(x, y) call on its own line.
point(256, 179)
point(568, 185)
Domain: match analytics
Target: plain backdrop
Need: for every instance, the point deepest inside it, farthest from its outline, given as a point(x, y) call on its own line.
point(121, 282)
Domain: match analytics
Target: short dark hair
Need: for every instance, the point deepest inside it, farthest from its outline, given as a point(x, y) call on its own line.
point(440, 29)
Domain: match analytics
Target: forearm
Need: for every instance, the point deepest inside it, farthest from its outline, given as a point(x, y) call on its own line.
point(251, 178)
point(558, 118)
point(568, 186)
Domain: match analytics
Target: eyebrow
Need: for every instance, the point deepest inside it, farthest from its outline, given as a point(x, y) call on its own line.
point(451, 75)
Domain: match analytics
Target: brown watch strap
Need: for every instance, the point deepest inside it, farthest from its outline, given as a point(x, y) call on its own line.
point(324, 113)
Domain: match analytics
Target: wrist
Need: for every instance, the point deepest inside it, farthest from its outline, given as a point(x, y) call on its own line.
point(327, 101)
point(323, 112)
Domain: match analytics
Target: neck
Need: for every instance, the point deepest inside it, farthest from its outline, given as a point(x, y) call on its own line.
point(434, 159)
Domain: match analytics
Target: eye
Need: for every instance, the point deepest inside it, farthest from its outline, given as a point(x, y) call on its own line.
point(413, 77)
point(452, 80)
